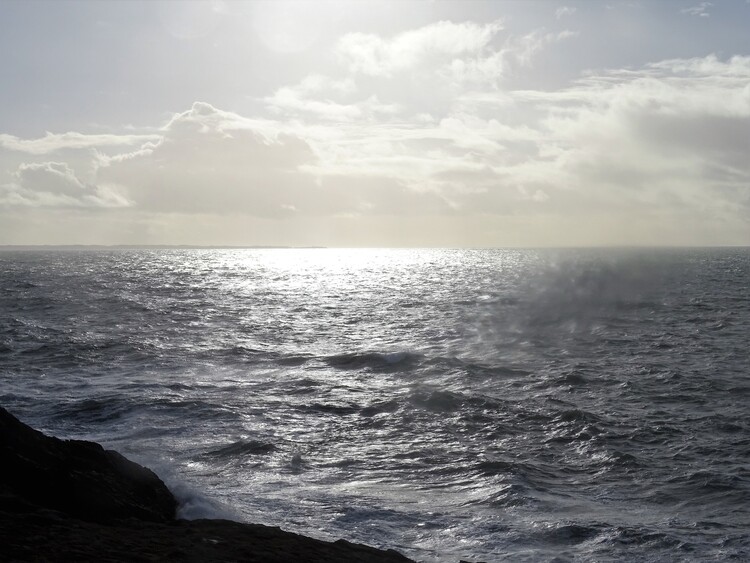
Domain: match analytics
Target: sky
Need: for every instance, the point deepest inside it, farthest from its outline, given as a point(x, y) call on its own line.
point(375, 123)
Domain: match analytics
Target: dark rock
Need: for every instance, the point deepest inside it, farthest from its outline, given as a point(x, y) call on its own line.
point(42, 537)
point(79, 478)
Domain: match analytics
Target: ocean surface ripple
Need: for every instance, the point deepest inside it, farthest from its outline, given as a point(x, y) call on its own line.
point(493, 405)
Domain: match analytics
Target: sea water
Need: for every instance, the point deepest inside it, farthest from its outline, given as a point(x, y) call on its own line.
point(519, 405)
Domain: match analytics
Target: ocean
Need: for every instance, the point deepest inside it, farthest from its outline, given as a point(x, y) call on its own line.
point(486, 405)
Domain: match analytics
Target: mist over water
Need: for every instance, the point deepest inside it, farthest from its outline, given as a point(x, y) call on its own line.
point(490, 405)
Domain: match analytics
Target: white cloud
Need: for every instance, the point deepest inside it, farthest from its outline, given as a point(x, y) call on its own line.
point(373, 55)
point(563, 11)
point(668, 139)
point(203, 117)
point(701, 10)
point(71, 140)
point(517, 52)
point(305, 98)
point(55, 184)
point(288, 99)
point(710, 67)
point(211, 161)
point(524, 48)
point(460, 53)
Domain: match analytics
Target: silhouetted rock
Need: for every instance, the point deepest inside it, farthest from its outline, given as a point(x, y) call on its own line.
point(79, 478)
point(70, 500)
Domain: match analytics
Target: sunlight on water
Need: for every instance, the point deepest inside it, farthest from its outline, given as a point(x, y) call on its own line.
point(333, 261)
point(484, 405)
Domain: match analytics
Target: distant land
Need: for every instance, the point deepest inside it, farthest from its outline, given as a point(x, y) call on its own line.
point(141, 246)
point(11, 247)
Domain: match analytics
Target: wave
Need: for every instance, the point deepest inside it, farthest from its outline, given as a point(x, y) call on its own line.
point(577, 415)
point(707, 482)
point(381, 408)
point(375, 361)
point(195, 504)
point(96, 410)
point(258, 354)
point(509, 496)
point(642, 536)
point(329, 408)
point(437, 401)
point(242, 448)
point(475, 369)
point(568, 534)
point(112, 408)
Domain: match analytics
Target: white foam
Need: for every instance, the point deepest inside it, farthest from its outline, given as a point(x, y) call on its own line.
point(192, 502)
point(195, 505)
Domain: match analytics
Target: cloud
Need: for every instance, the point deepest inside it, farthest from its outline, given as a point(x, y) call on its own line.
point(304, 98)
point(426, 124)
point(71, 140)
point(523, 49)
point(372, 55)
point(461, 54)
point(55, 184)
point(289, 100)
point(212, 161)
point(420, 71)
point(665, 142)
point(563, 11)
point(700, 10)
point(668, 139)
point(488, 68)
point(710, 67)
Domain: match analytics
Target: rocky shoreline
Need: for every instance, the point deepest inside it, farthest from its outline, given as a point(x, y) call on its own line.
point(72, 500)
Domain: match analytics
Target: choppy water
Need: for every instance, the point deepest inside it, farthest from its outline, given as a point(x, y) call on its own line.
point(486, 405)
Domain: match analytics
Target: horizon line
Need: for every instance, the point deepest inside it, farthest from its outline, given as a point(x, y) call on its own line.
point(315, 247)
